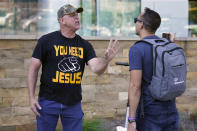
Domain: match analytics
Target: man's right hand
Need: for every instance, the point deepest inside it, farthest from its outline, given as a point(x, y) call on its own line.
point(33, 105)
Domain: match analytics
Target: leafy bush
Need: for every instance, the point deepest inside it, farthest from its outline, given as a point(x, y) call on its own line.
point(92, 125)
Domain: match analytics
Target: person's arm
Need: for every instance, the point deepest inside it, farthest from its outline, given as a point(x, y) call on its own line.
point(98, 65)
point(134, 95)
point(31, 83)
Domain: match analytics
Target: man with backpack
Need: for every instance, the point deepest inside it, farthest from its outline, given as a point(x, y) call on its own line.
point(157, 77)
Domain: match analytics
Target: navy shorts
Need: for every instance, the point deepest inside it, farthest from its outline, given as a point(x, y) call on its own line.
point(71, 116)
point(160, 122)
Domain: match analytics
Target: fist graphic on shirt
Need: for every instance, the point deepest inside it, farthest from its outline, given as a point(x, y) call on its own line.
point(69, 64)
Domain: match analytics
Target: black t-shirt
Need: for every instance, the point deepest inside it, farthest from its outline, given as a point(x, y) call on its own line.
point(63, 61)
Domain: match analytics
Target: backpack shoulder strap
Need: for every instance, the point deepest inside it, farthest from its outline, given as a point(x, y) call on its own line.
point(159, 41)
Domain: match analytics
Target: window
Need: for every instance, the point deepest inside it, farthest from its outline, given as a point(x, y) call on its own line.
point(109, 17)
point(193, 18)
point(100, 17)
point(18, 17)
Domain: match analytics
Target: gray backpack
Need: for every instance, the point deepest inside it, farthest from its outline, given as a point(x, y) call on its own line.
point(169, 69)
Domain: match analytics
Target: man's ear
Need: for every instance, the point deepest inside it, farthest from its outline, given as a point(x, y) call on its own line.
point(60, 20)
point(141, 25)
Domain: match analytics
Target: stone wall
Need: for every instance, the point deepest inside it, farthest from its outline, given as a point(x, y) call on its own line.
point(104, 96)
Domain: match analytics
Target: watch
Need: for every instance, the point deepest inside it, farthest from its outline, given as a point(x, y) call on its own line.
point(131, 120)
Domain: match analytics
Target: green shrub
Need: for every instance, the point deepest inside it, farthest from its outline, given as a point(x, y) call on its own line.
point(92, 125)
point(193, 116)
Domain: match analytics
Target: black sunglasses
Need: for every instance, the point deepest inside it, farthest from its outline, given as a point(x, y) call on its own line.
point(137, 20)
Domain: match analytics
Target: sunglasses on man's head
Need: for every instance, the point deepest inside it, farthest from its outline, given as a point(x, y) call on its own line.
point(137, 20)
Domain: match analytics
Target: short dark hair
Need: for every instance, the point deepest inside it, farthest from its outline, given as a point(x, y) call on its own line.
point(151, 19)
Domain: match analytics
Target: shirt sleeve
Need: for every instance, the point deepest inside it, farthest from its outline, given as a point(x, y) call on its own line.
point(90, 53)
point(135, 59)
point(39, 50)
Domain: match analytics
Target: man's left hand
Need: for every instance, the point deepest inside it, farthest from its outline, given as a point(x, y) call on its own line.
point(112, 50)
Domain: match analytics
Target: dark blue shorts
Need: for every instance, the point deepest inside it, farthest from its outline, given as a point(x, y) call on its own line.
point(161, 122)
point(71, 116)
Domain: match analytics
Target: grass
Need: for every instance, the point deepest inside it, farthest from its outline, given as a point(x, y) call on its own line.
point(91, 125)
point(193, 116)
point(180, 128)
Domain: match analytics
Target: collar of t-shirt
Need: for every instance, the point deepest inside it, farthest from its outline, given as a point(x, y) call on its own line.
point(151, 37)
